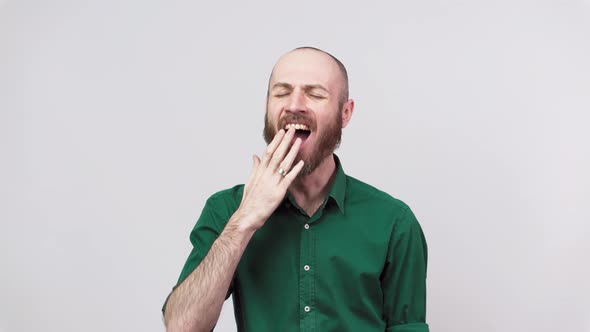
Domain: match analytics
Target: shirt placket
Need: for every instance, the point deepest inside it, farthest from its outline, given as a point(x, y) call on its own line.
point(307, 275)
point(307, 268)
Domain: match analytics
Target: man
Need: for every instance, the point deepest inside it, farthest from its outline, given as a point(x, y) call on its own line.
point(302, 246)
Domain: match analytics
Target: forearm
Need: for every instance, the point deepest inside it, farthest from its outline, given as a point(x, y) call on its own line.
point(196, 303)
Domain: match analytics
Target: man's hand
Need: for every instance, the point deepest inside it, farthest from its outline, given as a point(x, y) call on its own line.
point(266, 187)
point(196, 303)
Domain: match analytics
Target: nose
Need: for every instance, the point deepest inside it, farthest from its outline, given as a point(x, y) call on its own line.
point(297, 101)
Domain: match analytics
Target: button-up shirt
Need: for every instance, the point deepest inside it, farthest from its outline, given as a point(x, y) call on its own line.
point(357, 264)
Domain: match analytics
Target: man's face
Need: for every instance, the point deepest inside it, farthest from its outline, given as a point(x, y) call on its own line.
point(305, 90)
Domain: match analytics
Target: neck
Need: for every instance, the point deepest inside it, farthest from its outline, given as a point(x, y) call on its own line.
point(310, 191)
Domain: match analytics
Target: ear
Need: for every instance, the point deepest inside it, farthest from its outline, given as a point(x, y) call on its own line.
point(347, 110)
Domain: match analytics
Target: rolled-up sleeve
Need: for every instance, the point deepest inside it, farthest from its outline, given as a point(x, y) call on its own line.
point(404, 278)
point(208, 227)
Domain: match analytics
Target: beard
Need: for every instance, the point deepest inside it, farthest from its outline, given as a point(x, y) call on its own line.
point(325, 143)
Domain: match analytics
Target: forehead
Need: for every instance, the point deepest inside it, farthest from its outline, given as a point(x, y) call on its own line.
point(302, 67)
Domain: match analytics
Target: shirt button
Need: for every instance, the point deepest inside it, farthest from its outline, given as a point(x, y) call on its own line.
point(307, 309)
point(306, 226)
point(306, 267)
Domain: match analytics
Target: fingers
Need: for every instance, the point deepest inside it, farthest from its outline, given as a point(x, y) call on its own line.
point(278, 154)
point(281, 150)
point(290, 157)
point(290, 177)
point(270, 149)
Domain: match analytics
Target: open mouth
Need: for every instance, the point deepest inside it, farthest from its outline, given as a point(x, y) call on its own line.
point(302, 131)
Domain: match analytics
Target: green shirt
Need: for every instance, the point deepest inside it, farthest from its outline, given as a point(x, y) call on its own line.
point(358, 264)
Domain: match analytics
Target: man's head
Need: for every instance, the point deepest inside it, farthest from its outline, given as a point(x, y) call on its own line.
point(309, 87)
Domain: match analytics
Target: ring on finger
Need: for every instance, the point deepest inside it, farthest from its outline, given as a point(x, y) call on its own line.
point(282, 171)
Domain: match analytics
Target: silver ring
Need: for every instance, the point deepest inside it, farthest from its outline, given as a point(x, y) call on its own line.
point(282, 171)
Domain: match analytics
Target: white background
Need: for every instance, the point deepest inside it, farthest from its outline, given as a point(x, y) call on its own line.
point(119, 118)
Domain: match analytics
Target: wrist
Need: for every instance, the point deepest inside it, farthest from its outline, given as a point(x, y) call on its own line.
point(245, 222)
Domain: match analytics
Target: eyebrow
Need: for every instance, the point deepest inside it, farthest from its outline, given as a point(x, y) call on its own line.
point(306, 87)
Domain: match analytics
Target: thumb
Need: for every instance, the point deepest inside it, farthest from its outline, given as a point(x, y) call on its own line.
point(256, 161)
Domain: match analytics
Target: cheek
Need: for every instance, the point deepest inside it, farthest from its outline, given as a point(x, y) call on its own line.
point(272, 109)
point(272, 119)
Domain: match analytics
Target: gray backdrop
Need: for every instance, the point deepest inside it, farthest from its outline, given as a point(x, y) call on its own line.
point(119, 118)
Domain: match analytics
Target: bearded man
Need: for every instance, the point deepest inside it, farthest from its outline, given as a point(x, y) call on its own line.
point(302, 246)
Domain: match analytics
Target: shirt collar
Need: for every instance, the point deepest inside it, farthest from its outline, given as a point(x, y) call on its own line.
point(338, 190)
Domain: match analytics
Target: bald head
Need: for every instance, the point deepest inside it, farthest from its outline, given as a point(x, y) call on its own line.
point(315, 64)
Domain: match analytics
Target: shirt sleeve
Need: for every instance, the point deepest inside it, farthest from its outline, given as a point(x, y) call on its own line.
point(210, 224)
point(404, 277)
